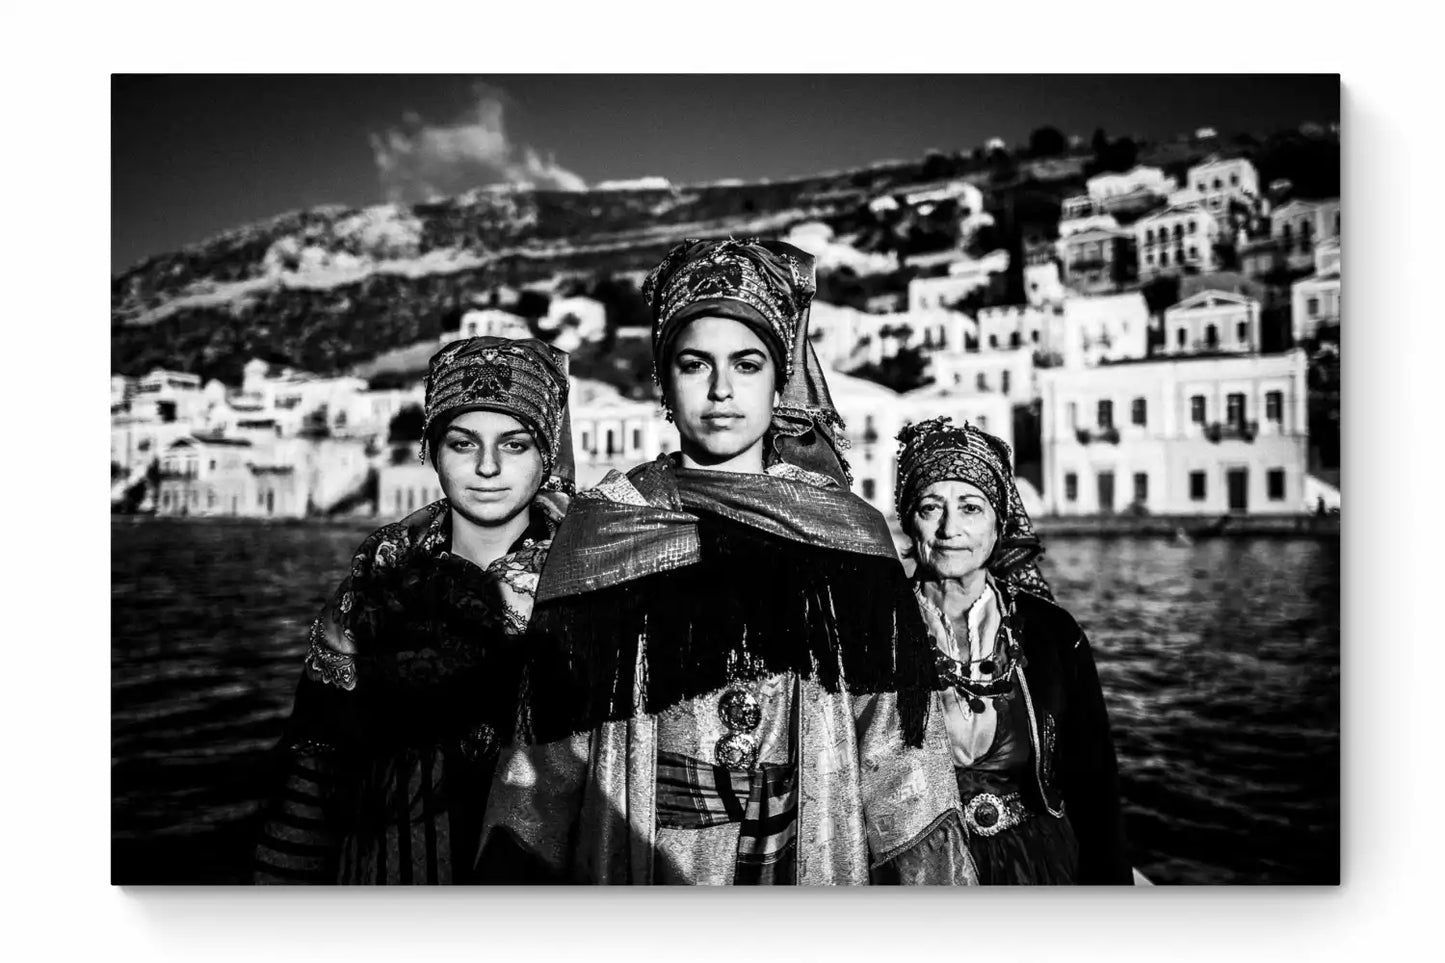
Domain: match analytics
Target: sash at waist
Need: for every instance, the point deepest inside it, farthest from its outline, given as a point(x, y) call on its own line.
point(692, 794)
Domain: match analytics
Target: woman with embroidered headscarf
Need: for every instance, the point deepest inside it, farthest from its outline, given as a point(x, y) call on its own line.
point(1025, 715)
point(728, 681)
point(413, 667)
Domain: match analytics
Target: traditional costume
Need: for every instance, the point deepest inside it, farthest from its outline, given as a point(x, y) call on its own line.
point(1022, 704)
point(727, 678)
point(412, 668)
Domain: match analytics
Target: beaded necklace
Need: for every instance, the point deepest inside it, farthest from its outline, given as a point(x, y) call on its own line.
point(956, 672)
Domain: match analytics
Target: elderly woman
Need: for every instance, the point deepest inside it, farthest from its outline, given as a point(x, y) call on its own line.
point(1022, 704)
point(412, 668)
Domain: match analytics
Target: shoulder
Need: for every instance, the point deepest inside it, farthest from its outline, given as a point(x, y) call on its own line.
point(384, 549)
point(793, 473)
point(1045, 622)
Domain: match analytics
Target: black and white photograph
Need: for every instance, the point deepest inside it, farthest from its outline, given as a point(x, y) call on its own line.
point(726, 479)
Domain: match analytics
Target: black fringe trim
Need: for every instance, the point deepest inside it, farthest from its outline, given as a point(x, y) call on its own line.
point(755, 605)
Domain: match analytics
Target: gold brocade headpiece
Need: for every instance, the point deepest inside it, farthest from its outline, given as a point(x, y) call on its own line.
point(524, 378)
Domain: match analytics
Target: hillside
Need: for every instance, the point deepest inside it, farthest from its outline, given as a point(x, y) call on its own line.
point(330, 288)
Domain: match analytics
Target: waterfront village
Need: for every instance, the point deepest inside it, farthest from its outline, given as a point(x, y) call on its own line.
point(1116, 407)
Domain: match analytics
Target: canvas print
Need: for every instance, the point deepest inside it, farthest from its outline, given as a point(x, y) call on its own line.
point(725, 480)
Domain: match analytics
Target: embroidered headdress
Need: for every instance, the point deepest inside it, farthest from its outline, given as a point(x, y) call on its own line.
point(937, 450)
point(524, 378)
point(768, 286)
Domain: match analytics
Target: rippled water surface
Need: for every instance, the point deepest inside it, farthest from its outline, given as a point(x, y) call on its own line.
point(1220, 662)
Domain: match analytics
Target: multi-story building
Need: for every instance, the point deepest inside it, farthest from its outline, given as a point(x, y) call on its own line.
point(939, 292)
point(1176, 240)
point(1130, 193)
point(1008, 373)
point(1098, 259)
point(1260, 256)
point(205, 476)
point(167, 397)
point(368, 414)
point(1193, 435)
point(965, 275)
point(612, 432)
point(288, 478)
point(1315, 303)
point(1299, 225)
point(874, 415)
point(1013, 326)
point(1091, 330)
point(1101, 187)
point(1219, 182)
point(1212, 321)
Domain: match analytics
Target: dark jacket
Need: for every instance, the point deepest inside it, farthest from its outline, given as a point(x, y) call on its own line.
point(1073, 752)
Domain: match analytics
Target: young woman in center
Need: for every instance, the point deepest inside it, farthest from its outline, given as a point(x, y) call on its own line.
point(728, 680)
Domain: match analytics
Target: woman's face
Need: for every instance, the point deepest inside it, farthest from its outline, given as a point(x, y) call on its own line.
point(721, 384)
point(490, 467)
point(954, 529)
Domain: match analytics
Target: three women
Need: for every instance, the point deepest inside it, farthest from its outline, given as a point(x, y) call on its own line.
point(728, 678)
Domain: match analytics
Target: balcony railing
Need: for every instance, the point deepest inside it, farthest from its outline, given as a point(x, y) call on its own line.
point(1242, 430)
point(1089, 435)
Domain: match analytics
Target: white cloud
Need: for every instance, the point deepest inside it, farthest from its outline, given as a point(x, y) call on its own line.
point(419, 161)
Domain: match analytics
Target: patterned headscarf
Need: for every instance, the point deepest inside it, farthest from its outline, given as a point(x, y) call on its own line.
point(768, 286)
point(524, 378)
point(937, 450)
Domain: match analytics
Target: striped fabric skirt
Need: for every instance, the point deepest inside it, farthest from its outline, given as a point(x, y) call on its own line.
point(410, 819)
point(696, 795)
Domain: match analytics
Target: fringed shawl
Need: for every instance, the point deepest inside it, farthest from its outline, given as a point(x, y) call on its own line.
point(668, 583)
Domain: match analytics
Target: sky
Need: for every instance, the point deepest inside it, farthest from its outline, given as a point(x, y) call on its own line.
point(194, 155)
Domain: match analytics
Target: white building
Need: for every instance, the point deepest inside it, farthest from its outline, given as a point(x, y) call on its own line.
point(1174, 240)
point(1109, 327)
point(1110, 186)
point(1220, 181)
point(1212, 321)
point(1008, 373)
point(1013, 326)
point(287, 478)
point(121, 391)
point(939, 292)
point(577, 321)
point(845, 338)
point(873, 415)
point(1314, 302)
point(488, 323)
point(289, 396)
point(166, 397)
point(1042, 284)
point(1186, 436)
point(612, 432)
point(1096, 260)
point(1069, 226)
point(1299, 225)
point(368, 414)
